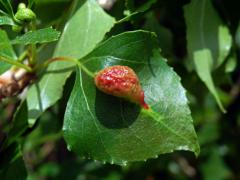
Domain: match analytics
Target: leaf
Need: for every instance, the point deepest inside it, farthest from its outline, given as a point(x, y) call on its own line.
point(82, 32)
point(5, 20)
point(39, 36)
point(207, 38)
point(202, 58)
point(109, 129)
point(6, 50)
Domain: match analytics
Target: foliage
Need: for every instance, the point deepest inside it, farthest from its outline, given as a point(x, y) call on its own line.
point(55, 123)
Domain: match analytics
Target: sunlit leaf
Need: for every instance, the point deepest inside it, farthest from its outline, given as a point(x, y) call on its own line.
point(209, 41)
point(110, 129)
point(81, 34)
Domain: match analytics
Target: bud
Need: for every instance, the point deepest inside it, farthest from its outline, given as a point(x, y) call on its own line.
point(121, 81)
point(17, 28)
point(24, 13)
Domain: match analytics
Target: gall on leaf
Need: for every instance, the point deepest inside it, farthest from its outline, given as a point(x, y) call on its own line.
point(122, 82)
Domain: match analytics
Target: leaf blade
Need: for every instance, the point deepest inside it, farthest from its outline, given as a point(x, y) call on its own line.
point(109, 129)
point(205, 31)
point(69, 46)
point(39, 36)
point(6, 50)
point(5, 20)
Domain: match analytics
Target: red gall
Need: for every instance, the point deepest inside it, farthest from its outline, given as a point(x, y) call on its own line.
point(121, 81)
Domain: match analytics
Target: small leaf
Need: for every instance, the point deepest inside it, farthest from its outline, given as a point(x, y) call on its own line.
point(5, 20)
point(207, 37)
point(110, 129)
point(6, 50)
point(38, 36)
point(82, 32)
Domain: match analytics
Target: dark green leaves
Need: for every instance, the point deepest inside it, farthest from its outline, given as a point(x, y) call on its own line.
point(209, 41)
point(109, 129)
point(83, 31)
point(38, 36)
point(6, 50)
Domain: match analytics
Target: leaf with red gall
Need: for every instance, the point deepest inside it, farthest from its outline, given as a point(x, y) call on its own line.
point(121, 81)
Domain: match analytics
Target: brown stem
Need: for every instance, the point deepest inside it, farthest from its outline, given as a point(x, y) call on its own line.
point(14, 84)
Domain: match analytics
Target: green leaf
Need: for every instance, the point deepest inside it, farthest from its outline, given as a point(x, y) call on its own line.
point(109, 129)
point(207, 38)
point(39, 36)
point(83, 31)
point(202, 58)
point(6, 50)
point(5, 20)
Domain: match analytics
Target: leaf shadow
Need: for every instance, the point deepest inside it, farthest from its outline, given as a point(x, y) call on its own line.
point(113, 112)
